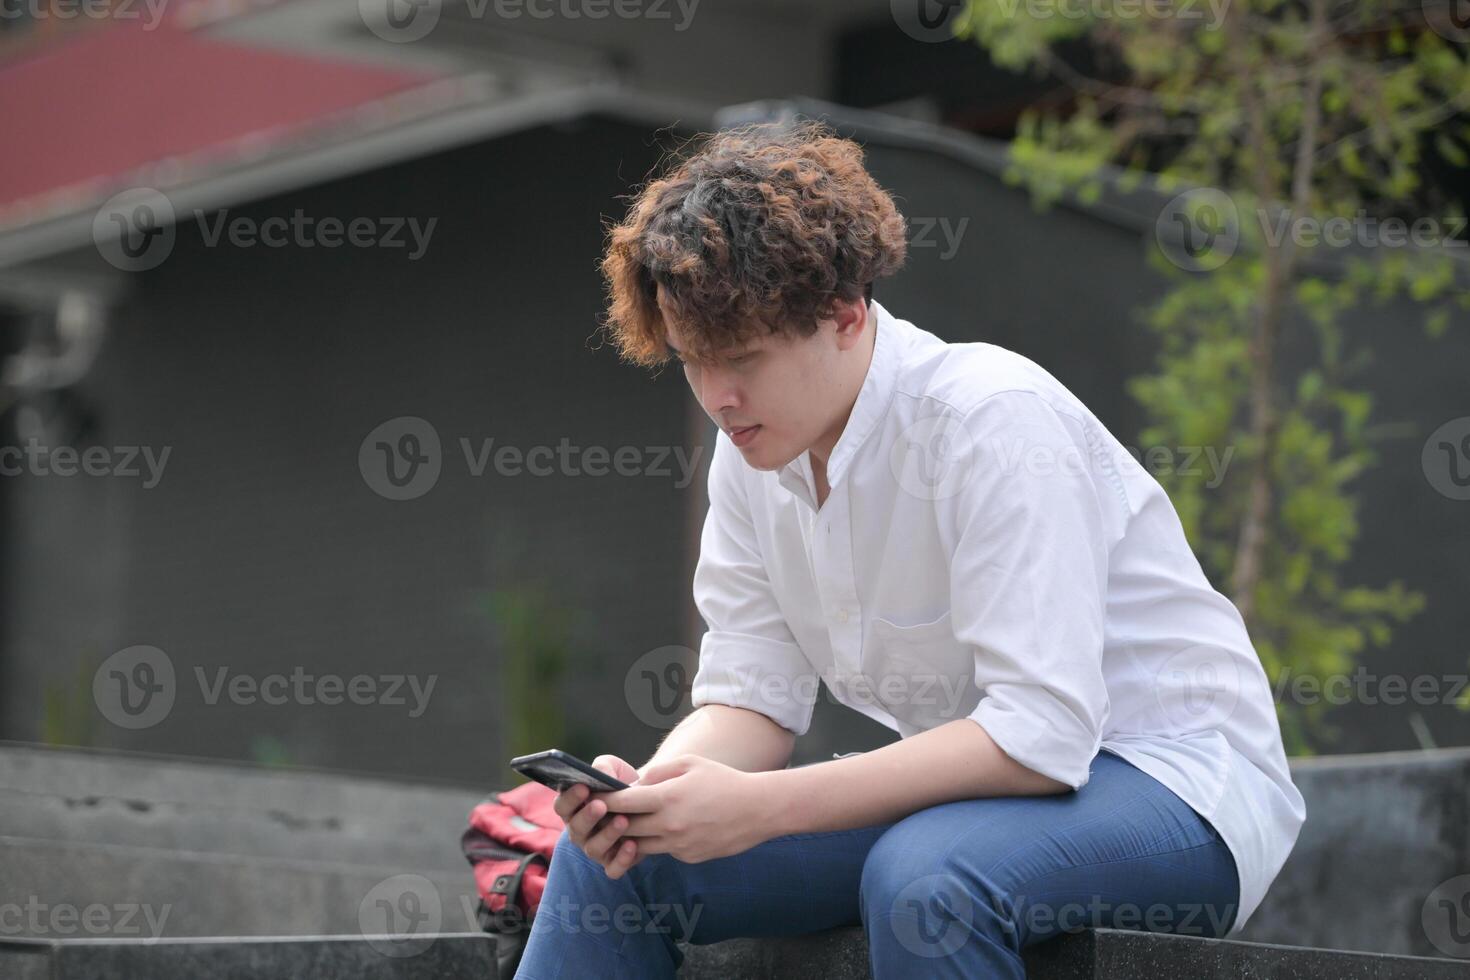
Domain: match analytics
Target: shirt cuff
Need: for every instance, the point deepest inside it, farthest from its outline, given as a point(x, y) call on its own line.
point(759, 674)
point(1037, 741)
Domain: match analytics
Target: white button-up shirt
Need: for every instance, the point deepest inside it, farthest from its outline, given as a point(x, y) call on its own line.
point(988, 550)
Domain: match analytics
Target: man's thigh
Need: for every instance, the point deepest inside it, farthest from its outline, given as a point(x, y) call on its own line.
point(786, 886)
point(1121, 852)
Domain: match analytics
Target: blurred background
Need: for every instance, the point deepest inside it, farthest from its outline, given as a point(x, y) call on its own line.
point(312, 455)
point(321, 495)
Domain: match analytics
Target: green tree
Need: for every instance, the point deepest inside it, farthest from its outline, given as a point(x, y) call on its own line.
point(1272, 118)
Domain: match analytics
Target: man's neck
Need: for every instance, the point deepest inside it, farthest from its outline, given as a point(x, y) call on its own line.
point(821, 450)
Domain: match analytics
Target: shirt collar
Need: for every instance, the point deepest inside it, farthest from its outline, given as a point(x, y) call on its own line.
point(871, 405)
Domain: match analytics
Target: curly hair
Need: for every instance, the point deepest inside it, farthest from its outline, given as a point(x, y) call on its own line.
point(757, 232)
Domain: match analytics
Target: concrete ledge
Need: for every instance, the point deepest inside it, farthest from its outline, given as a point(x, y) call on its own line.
point(1101, 954)
point(840, 954)
point(436, 957)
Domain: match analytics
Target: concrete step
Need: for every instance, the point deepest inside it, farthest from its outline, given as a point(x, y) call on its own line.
point(1093, 954)
point(840, 954)
point(431, 957)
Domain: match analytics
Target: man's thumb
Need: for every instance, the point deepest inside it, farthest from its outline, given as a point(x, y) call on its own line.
point(616, 767)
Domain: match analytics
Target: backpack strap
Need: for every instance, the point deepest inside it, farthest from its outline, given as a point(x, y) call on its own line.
point(510, 918)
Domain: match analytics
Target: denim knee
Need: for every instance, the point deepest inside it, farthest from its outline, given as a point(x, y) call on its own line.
point(927, 903)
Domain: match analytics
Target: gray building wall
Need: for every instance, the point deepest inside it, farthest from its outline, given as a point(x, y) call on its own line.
point(263, 548)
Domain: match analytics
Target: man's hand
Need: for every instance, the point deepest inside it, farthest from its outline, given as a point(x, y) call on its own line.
point(693, 808)
point(600, 843)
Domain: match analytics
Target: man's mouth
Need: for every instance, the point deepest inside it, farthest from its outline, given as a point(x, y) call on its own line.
point(744, 434)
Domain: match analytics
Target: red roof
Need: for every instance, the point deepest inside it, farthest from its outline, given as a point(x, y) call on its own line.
point(121, 105)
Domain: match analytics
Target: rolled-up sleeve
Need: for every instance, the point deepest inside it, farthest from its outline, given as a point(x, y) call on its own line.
point(1029, 580)
point(748, 657)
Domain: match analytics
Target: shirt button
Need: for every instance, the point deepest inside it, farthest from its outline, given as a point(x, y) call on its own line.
point(842, 615)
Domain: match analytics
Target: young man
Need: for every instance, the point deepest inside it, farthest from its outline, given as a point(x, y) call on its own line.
point(952, 543)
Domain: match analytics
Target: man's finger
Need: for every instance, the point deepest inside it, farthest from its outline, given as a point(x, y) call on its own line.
point(569, 801)
point(600, 845)
point(654, 845)
point(634, 799)
point(645, 825)
point(627, 854)
point(585, 819)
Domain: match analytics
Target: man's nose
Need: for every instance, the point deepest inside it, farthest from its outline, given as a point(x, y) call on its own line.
point(718, 392)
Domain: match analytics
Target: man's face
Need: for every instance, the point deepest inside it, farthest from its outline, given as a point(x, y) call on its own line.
point(775, 398)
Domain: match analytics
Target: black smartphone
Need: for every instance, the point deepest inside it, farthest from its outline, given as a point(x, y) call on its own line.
point(559, 770)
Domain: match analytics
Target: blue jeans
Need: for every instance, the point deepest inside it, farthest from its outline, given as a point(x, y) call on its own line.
point(956, 890)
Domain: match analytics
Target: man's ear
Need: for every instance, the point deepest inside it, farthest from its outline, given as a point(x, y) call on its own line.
point(848, 316)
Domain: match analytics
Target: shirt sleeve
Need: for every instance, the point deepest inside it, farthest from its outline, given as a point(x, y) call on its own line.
point(1029, 581)
point(748, 657)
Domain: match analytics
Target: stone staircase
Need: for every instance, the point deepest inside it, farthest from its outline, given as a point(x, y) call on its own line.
point(151, 859)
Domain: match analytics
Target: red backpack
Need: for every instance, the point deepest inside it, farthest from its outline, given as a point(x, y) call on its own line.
point(509, 844)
